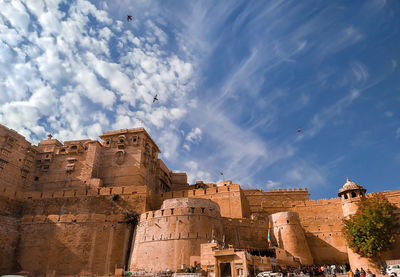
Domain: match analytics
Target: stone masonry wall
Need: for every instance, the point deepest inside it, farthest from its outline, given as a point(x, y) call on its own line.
point(9, 236)
point(85, 244)
point(168, 237)
point(245, 232)
point(229, 198)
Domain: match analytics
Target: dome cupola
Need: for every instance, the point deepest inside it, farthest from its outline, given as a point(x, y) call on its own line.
point(351, 190)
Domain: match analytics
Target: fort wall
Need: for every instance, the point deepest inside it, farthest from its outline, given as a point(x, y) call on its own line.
point(242, 233)
point(322, 224)
point(256, 197)
point(288, 234)
point(229, 198)
point(176, 231)
point(73, 244)
point(9, 238)
point(69, 198)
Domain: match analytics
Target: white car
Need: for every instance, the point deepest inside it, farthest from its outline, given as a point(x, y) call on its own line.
point(394, 268)
point(269, 274)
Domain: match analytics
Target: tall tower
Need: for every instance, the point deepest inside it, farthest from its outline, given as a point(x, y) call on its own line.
point(289, 235)
point(350, 195)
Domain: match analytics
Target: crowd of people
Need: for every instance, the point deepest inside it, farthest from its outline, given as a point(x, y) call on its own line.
point(326, 270)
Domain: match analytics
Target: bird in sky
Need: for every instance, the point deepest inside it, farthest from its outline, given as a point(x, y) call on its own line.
point(129, 18)
point(299, 131)
point(155, 98)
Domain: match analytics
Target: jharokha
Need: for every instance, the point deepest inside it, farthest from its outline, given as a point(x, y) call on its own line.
point(68, 209)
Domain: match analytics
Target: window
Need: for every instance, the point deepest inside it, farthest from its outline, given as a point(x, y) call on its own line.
point(353, 194)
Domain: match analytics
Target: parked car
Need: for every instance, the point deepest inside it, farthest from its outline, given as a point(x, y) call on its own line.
point(394, 268)
point(269, 274)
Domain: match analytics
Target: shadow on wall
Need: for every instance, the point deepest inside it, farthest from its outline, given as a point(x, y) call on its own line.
point(71, 248)
point(324, 253)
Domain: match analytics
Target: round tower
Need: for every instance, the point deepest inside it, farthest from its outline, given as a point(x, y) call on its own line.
point(350, 195)
point(170, 237)
point(289, 235)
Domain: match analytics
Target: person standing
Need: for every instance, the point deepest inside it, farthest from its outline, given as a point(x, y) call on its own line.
point(362, 273)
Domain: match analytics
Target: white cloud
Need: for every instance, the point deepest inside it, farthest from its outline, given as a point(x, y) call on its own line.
point(389, 114)
point(303, 173)
point(320, 119)
point(394, 63)
point(360, 72)
point(169, 142)
point(272, 184)
point(196, 174)
point(59, 71)
point(194, 135)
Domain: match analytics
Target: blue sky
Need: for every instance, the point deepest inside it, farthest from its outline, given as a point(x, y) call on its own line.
point(234, 79)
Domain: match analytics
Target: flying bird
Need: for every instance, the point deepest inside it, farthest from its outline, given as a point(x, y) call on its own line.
point(129, 18)
point(155, 98)
point(299, 131)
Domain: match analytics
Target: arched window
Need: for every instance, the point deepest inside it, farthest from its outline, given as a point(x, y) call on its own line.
point(353, 194)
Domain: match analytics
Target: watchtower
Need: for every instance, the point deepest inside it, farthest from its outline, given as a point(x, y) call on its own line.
point(350, 195)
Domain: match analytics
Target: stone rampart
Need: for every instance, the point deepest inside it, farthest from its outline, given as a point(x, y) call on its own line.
point(176, 231)
point(322, 224)
point(289, 235)
point(229, 198)
point(9, 237)
point(274, 197)
point(244, 232)
point(79, 244)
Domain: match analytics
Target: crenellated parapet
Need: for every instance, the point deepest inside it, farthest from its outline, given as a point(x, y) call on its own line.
point(72, 218)
point(180, 224)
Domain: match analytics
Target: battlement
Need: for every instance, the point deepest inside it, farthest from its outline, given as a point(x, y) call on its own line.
point(71, 218)
point(12, 193)
point(200, 192)
point(184, 206)
point(276, 190)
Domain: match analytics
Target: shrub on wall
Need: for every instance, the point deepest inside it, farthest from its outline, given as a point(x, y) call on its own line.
point(374, 228)
point(131, 217)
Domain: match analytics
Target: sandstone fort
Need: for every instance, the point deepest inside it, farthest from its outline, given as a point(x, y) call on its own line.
point(65, 210)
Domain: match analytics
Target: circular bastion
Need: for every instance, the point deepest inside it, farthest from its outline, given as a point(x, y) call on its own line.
point(289, 235)
point(169, 237)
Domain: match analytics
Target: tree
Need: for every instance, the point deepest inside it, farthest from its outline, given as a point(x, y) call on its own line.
point(374, 228)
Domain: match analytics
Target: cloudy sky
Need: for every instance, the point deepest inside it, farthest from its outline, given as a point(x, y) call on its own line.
point(234, 79)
